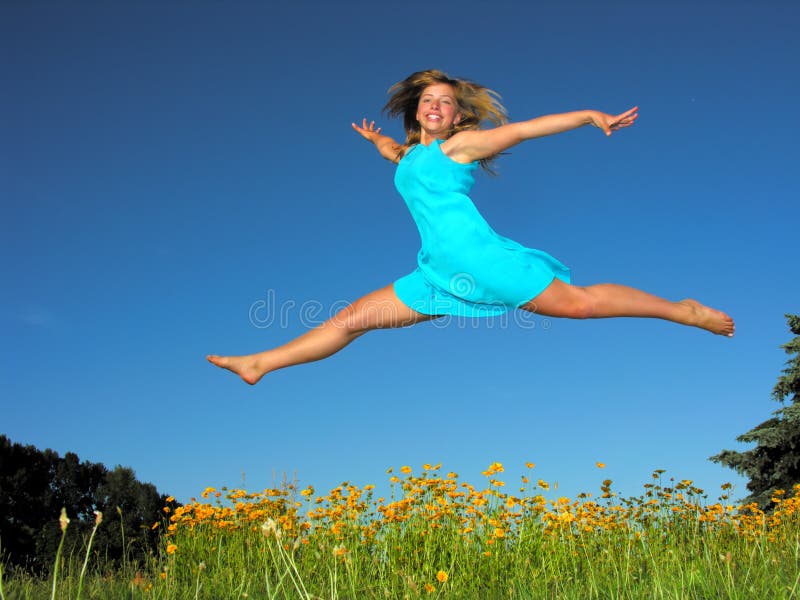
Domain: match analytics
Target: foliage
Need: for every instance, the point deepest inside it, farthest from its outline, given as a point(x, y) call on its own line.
point(774, 463)
point(436, 537)
point(35, 485)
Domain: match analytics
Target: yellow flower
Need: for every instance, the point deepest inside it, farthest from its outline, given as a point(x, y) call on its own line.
point(499, 533)
point(430, 588)
point(495, 467)
point(427, 466)
point(530, 465)
point(171, 549)
point(170, 499)
point(63, 520)
point(405, 469)
point(307, 492)
point(600, 465)
point(441, 576)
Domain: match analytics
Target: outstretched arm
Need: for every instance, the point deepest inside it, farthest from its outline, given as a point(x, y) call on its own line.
point(388, 148)
point(468, 146)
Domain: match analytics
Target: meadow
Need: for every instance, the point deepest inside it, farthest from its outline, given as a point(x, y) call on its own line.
point(435, 536)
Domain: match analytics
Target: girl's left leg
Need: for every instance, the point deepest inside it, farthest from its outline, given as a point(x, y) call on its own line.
point(377, 310)
point(561, 299)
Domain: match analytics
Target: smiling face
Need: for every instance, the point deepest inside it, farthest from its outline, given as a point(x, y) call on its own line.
point(437, 111)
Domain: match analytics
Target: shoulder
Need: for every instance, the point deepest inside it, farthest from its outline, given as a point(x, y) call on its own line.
point(401, 151)
point(458, 146)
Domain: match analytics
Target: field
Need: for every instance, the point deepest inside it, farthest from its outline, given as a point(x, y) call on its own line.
point(435, 536)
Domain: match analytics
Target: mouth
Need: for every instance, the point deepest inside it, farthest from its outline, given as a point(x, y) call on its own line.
point(434, 117)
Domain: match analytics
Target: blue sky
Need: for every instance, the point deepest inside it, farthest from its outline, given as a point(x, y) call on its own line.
point(171, 174)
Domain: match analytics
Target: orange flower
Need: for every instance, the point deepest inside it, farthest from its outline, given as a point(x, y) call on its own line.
point(405, 469)
point(600, 465)
point(171, 549)
point(441, 577)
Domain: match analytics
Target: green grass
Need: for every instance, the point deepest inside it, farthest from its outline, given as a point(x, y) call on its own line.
point(436, 538)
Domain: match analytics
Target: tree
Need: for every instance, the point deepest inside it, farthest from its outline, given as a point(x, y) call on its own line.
point(774, 464)
point(35, 485)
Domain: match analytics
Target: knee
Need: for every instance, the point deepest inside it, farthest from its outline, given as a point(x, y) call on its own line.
point(348, 321)
point(361, 317)
point(581, 306)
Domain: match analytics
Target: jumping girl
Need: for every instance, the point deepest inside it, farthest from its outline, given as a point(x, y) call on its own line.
point(464, 267)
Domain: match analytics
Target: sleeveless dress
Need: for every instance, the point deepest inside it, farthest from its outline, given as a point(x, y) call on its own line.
point(464, 267)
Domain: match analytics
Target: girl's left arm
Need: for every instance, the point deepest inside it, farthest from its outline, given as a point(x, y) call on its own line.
point(468, 146)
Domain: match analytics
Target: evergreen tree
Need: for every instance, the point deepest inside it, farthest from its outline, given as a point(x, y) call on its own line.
point(774, 463)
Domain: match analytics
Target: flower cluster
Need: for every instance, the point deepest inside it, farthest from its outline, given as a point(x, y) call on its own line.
point(486, 518)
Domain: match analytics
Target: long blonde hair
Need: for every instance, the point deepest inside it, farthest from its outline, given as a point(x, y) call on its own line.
point(476, 104)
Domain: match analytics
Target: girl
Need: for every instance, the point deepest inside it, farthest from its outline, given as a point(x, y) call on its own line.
point(464, 267)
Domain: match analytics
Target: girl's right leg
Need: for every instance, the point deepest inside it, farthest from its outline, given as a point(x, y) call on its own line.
point(377, 310)
point(604, 300)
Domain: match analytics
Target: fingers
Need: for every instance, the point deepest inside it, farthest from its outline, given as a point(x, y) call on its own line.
point(625, 119)
point(365, 129)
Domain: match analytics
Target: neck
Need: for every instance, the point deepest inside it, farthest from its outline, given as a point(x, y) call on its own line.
point(426, 139)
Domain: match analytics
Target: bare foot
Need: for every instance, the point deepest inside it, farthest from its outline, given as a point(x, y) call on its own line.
point(709, 319)
point(245, 367)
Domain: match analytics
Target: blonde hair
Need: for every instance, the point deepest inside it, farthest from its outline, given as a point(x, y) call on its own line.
point(476, 104)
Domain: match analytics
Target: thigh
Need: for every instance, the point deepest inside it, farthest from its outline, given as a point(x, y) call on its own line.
point(381, 309)
point(559, 299)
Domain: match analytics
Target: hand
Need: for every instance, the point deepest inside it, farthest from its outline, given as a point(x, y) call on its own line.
point(368, 132)
point(609, 123)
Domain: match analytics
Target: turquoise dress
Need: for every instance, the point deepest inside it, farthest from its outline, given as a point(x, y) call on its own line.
point(464, 267)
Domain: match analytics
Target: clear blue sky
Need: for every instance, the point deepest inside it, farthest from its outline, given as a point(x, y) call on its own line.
point(166, 168)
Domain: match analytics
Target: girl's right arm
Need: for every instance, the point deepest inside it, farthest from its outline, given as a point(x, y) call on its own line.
point(388, 147)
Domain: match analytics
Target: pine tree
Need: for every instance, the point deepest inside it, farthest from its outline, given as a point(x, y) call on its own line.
point(774, 463)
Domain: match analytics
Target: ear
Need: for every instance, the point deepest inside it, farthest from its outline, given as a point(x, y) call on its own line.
point(457, 119)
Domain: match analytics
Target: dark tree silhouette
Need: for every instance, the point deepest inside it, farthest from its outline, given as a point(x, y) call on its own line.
point(774, 463)
point(35, 485)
